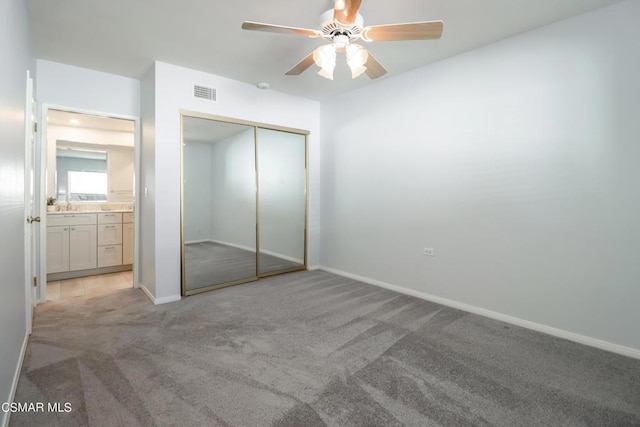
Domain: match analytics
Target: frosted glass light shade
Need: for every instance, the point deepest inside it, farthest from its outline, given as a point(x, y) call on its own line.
point(325, 58)
point(356, 58)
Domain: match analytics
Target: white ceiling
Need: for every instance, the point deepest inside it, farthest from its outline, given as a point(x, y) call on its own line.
point(125, 36)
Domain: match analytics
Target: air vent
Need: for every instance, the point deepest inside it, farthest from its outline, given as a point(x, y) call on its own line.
point(203, 92)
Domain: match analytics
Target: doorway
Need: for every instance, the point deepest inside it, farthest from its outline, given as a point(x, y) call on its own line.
point(89, 239)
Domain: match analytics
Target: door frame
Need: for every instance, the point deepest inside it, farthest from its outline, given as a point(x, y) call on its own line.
point(42, 184)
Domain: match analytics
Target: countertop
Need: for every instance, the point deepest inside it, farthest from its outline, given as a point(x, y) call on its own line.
point(90, 212)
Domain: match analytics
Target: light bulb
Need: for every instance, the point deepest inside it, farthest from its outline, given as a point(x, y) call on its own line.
point(357, 56)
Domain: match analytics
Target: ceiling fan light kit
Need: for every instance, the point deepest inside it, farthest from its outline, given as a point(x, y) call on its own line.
point(325, 58)
point(342, 25)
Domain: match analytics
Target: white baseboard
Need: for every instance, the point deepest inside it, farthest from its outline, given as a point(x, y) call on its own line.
point(16, 378)
point(560, 333)
point(193, 242)
point(233, 245)
point(315, 267)
point(158, 301)
point(282, 256)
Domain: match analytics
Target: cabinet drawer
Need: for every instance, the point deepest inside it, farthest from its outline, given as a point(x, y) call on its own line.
point(109, 234)
point(70, 219)
point(127, 217)
point(109, 256)
point(109, 218)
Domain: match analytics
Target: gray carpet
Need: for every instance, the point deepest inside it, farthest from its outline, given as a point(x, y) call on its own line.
point(311, 349)
point(209, 263)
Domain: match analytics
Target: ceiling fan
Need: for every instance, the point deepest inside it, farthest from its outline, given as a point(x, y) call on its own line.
point(343, 25)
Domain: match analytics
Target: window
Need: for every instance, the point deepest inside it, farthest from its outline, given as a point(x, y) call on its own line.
point(87, 186)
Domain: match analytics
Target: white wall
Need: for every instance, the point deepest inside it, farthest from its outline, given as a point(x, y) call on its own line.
point(70, 86)
point(15, 57)
point(120, 173)
point(233, 190)
point(238, 100)
point(517, 162)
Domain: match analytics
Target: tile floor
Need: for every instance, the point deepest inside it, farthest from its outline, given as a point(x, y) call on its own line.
point(89, 286)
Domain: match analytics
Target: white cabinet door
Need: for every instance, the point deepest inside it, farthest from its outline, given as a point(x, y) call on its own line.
point(109, 234)
point(127, 243)
point(83, 243)
point(109, 256)
point(57, 249)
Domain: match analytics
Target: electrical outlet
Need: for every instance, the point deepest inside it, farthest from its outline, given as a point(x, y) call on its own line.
point(429, 252)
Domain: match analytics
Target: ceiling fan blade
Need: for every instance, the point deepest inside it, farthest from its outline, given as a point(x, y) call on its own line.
point(346, 11)
point(270, 28)
point(428, 30)
point(301, 66)
point(374, 69)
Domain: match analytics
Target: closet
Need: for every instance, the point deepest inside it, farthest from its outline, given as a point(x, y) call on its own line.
point(244, 201)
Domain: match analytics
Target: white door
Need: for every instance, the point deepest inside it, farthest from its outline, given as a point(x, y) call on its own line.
point(32, 220)
point(83, 242)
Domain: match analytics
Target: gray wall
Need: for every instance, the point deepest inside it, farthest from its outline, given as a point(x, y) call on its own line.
point(517, 162)
point(15, 51)
point(197, 191)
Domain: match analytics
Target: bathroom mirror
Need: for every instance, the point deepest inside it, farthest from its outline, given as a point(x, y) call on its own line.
point(81, 174)
point(244, 205)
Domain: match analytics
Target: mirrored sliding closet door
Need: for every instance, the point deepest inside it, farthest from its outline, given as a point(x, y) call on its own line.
point(282, 188)
point(244, 205)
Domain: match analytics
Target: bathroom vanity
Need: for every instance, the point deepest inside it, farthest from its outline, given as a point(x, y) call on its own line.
point(88, 243)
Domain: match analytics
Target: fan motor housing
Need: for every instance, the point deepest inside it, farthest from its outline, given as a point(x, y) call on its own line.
point(331, 27)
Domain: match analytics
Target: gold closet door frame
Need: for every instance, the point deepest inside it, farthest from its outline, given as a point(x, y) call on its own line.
point(256, 126)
